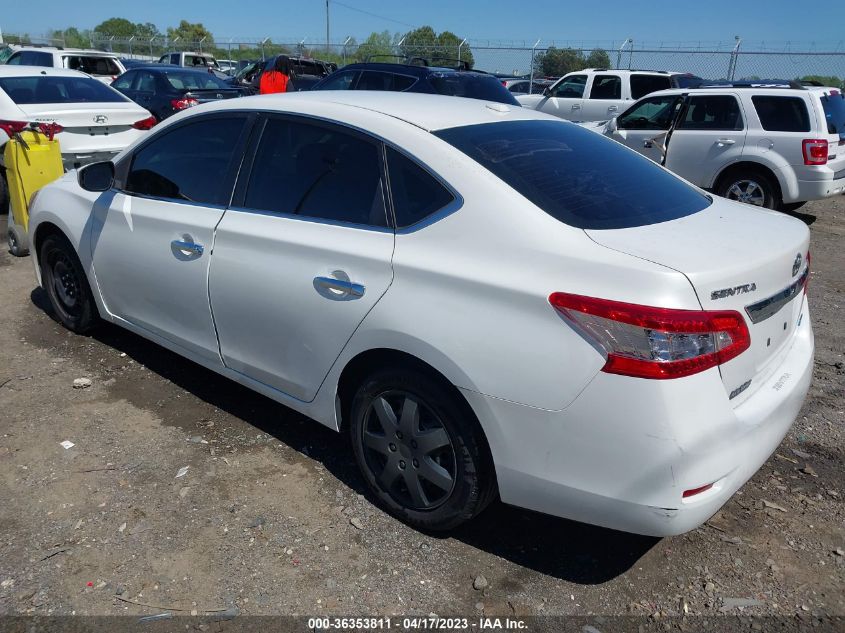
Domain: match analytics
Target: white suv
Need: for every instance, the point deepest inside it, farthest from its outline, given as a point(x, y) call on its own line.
point(775, 146)
point(594, 94)
point(99, 64)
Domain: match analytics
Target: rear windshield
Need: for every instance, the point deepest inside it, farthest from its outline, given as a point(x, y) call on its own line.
point(834, 113)
point(471, 85)
point(577, 176)
point(782, 114)
point(41, 89)
point(185, 80)
point(92, 65)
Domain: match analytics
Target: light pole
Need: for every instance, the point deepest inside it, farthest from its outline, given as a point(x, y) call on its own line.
point(328, 40)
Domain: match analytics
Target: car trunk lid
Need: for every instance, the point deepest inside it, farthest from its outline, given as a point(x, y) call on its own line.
point(738, 258)
point(205, 95)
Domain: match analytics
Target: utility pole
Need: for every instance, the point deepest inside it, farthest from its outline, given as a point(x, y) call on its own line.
point(328, 41)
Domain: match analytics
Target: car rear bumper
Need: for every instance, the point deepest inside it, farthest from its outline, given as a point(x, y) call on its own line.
point(819, 189)
point(622, 454)
point(75, 160)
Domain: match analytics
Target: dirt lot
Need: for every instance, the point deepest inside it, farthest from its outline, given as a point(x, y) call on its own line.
point(270, 518)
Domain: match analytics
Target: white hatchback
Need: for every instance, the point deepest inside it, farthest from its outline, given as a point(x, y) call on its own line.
point(489, 300)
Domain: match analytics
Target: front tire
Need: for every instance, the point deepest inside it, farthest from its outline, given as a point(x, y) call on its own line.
point(67, 286)
point(420, 450)
point(753, 187)
point(15, 240)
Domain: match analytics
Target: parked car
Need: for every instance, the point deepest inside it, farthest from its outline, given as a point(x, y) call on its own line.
point(770, 145)
point(414, 77)
point(129, 62)
point(228, 66)
point(165, 90)
point(97, 122)
point(305, 73)
point(100, 65)
point(596, 94)
point(6, 51)
point(486, 298)
point(194, 60)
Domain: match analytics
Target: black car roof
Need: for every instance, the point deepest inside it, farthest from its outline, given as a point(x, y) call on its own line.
point(405, 69)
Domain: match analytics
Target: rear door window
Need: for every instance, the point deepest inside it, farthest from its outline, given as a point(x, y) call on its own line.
point(606, 87)
point(577, 176)
point(834, 113)
point(642, 85)
point(31, 58)
point(782, 114)
point(717, 112)
point(415, 193)
point(92, 65)
point(317, 171)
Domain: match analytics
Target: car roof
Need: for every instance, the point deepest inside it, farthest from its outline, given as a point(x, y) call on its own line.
point(33, 71)
point(64, 51)
point(426, 111)
point(406, 68)
point(629, 71)
point(157, 67)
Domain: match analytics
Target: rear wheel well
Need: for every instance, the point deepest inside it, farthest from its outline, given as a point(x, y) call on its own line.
point(745, 168)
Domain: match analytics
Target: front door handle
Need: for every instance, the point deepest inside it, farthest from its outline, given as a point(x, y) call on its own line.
point(341, 285)
point(613, 109)
point(648, 144)
point(725, 141)
point(576, 106)
point(190, 247)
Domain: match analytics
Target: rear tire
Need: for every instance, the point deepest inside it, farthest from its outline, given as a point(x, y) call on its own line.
point(16, 240)
point(420, 450)
point(4, 193)
point(66, 284)
point(751, 187)
point(789, 207)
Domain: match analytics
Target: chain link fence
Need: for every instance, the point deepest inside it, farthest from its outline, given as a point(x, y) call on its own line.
point(710, 61)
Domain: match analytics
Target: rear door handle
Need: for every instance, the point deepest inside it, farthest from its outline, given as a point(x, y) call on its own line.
point(576, 106)
point(348, 287)
point(725, 141)
point(613, 109)
point(190, 247)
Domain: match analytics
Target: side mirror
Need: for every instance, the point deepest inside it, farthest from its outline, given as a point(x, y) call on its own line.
point(96, 176)
point(547, 91)
point(612, 126)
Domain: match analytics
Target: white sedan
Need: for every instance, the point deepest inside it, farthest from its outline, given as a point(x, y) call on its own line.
point(97, 121)
point(487, 299)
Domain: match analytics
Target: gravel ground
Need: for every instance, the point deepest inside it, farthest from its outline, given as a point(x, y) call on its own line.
point(185, 492)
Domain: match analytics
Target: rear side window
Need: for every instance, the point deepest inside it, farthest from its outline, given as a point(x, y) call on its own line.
point(718, 112)
point(317, 171)
point(92, 65)
point(834, 113)
point(189, 164)
point(195, 80)
point(577, 176)
point(416, 194)
point(52, 89)
point(606, 87)
point(472, 86)
point(641, 85)
point(782, 114)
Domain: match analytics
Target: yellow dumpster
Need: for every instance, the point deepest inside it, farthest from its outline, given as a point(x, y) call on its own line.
point(32, 160)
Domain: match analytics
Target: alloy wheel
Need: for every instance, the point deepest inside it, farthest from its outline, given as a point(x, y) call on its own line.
point(747, 191)
point(408, 450)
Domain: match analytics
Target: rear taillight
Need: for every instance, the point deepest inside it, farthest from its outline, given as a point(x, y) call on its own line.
point(49, 129)
point(12, 127)
point(660, 343)
point(815, 151)
point(807, 278)
point(181, 104)
point(145, 124)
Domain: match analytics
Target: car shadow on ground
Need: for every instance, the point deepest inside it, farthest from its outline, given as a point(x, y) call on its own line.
point(568, 550)
point(806, 218)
